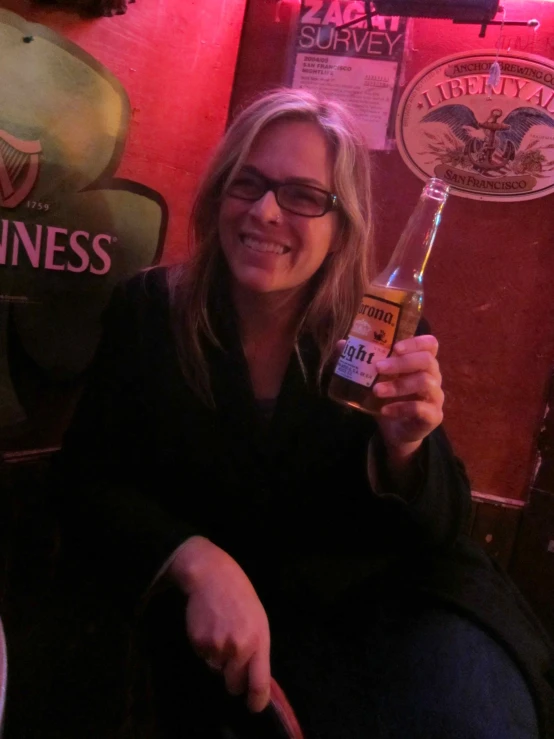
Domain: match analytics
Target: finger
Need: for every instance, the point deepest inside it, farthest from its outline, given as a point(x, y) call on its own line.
point(236, 676)
point(424, 343)
point(421, 384)
point(415, 411)
point(413, 362)
point(259, 677)
point(213, 656)
point(214, 664)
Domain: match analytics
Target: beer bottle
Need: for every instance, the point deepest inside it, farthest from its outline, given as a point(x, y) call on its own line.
point(391, 310)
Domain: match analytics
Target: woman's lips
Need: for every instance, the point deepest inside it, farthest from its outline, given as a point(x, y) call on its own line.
point(263, 246)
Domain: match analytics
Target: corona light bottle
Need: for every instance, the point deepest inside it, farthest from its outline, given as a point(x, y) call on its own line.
point(392, 308)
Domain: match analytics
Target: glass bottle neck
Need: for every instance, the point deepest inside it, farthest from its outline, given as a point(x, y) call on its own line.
point(408, 262)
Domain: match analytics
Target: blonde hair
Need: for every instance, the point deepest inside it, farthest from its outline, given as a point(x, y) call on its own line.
point(342, 278)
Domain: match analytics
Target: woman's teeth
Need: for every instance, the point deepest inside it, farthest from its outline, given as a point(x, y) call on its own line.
point(264, 246)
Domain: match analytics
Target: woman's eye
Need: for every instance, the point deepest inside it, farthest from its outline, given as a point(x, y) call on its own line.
point(246, 182)
point(299, 194)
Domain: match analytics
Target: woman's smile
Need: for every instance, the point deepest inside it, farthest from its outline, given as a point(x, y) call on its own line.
point(263, 245)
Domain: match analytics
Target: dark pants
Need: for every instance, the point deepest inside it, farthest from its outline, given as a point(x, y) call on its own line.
point(382, 674)
point(432, 675)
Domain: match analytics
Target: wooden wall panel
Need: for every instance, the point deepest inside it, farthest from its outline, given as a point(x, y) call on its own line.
point(532, 566)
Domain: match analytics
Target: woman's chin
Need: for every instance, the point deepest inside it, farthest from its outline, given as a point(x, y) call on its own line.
point(258, 281)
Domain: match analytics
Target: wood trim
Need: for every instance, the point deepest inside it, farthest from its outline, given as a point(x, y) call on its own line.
point(497, 500)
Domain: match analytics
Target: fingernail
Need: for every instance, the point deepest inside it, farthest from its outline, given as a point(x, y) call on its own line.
point(400, 348)
point(382, 366)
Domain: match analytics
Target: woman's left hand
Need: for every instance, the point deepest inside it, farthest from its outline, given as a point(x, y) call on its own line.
point(413, 393)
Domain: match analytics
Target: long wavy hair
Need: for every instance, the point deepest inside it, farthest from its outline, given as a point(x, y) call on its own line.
point(345, 273)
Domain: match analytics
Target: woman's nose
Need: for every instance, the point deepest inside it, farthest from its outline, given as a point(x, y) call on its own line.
point(267, 208)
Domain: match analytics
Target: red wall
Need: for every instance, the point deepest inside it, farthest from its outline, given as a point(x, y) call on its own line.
point(489, 284)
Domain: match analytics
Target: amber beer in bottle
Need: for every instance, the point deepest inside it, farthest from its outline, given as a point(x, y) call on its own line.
point(392, 308)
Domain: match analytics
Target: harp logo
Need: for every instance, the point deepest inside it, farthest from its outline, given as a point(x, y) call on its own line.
point(19, 167)
point(486, 130)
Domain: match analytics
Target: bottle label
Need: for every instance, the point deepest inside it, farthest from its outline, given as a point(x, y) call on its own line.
point(371, 338)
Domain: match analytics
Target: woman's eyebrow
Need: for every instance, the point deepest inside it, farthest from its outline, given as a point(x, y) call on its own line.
point(250, 168)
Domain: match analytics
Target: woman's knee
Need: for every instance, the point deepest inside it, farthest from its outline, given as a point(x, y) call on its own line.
point(444, 670)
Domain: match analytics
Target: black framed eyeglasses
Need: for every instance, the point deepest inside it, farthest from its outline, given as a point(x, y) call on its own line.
point(296, 197)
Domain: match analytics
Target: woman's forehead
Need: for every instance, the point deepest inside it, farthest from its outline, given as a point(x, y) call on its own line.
point(293, 149)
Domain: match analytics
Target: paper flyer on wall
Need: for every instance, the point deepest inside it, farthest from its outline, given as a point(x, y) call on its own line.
point(356, 63)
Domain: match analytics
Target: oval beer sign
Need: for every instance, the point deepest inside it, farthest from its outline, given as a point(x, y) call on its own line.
point(487, 142)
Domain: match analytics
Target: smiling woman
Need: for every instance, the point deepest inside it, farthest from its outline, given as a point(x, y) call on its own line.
point(279, 242)
point(213, 375)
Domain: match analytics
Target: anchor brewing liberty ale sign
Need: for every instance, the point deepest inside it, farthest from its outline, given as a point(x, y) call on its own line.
point(489, 142)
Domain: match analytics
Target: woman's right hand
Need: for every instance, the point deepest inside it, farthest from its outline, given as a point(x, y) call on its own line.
point(226, 622)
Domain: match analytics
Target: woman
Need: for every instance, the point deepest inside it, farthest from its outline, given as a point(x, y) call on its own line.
point(205, 458)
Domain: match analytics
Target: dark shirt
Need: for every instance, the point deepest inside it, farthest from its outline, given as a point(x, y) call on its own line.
point(266, 406)
point(147, 464)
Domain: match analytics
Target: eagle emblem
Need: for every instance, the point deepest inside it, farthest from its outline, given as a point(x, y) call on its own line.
point(491, 147)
